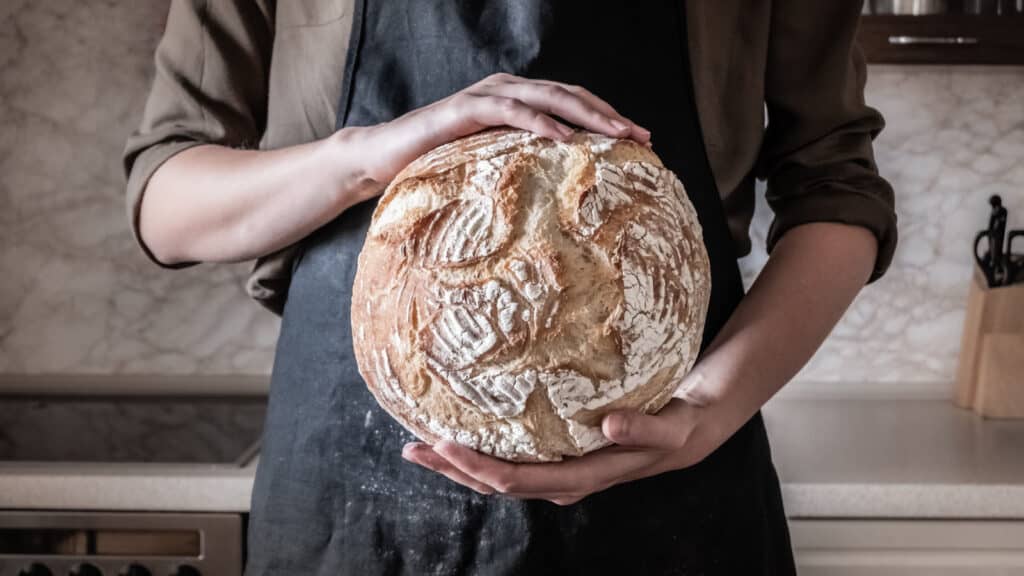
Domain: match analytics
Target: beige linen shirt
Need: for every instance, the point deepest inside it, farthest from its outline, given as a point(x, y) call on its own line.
point(267, 74)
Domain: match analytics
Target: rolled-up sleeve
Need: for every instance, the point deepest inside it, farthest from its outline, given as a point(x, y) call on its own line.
point(210, 87)
point(817, 154)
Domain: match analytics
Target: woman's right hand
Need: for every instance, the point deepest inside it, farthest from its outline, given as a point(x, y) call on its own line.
point(498, 100)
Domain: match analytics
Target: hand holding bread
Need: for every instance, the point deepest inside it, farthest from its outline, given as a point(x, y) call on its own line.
point(498, 100)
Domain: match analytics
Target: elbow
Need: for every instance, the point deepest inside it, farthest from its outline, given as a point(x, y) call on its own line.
point(156, 211)
point(157, 236)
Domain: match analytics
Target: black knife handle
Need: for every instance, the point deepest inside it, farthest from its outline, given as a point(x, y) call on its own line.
point(996, 232)
point(985, 260)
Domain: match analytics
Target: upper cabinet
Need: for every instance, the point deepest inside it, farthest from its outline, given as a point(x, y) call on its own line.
point(943, 31)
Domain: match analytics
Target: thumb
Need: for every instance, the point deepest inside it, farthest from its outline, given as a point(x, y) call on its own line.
point(637, 430)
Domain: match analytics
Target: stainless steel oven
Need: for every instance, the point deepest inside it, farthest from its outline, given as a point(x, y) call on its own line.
point(111, 476)
point(47, 543)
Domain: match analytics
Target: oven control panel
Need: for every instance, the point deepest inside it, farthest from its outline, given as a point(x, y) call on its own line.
point(119, 544)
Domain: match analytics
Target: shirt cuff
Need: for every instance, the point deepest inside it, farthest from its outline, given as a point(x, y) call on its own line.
point(142, 168)
point(270, 278)
point(842, 205)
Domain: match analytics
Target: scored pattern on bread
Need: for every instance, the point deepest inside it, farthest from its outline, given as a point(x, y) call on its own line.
point(461, 232)
point(610, 191)
point(513, 289)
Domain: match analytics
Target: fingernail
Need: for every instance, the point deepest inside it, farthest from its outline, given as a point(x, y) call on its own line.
point(616, 424)
point(565, 130)
point(619, 124)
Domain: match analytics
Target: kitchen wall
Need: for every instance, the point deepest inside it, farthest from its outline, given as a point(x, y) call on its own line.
point(78, 297)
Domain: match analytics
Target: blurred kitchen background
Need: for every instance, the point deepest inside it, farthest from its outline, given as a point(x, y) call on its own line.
point(81, 306)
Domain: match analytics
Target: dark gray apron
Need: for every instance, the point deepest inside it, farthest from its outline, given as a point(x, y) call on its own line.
point(333, 495)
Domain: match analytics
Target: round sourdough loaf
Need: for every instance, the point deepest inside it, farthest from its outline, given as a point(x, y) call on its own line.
point(513, 289)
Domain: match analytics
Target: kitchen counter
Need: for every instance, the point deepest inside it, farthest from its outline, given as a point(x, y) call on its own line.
point(838, 458)
point(895, 458)
point(135, 487)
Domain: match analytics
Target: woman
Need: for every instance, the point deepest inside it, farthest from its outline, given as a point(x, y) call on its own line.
point(271, 129)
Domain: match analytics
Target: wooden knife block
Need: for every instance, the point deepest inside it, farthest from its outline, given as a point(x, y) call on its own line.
point(990, 376)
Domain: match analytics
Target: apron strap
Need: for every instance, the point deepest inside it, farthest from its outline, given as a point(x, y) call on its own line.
point(351, 58)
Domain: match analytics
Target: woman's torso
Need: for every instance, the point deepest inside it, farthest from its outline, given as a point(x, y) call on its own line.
point(333, 494)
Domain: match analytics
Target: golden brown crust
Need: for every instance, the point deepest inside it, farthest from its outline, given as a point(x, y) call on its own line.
point(512, 290)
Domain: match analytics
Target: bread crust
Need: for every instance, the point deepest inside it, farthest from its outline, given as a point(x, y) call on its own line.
point(513, 289)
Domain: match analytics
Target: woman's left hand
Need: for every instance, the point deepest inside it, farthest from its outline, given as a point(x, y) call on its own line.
point(678, 436)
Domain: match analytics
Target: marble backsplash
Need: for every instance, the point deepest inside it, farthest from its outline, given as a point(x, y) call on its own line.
point(78, 297)
point(954, 137)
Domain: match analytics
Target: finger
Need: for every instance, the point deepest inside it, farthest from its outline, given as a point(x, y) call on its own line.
point(492, 110)
point(638, 133)
point(423, 455)
point(426, 457)
point(567, 500)
point(556, 99)
point(667, 430)
point(583, 475)
point(560, 498)
point(484, 469)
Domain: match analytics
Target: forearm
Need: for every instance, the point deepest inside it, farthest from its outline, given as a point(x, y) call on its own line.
point(213, 203)
point(812, 276)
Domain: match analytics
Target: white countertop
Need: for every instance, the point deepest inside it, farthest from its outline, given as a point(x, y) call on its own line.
point(134, 487)
point(837, 458)
point(893, 458)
